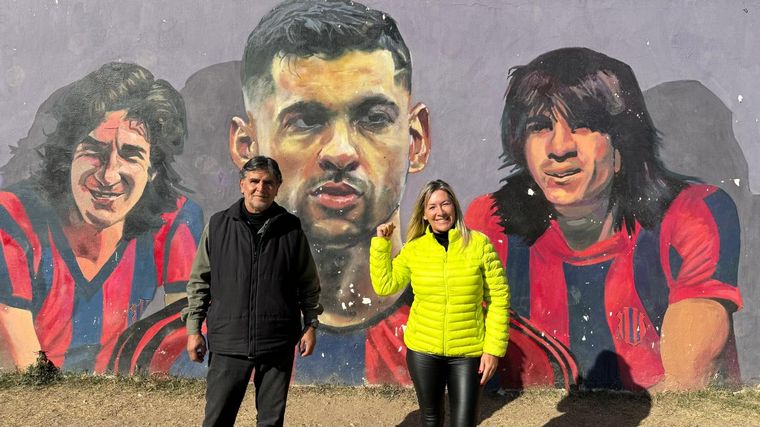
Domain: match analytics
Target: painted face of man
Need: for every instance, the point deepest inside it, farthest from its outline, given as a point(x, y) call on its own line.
point(574, 166)
point(340, 130)
point(110, 170)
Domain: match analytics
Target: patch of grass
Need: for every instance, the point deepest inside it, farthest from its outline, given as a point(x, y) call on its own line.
point(393, 392)
point(43, 375)
point(43, 372)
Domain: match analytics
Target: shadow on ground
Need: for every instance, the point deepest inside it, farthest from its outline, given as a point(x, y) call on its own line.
point(490, 403)
point(602, 408)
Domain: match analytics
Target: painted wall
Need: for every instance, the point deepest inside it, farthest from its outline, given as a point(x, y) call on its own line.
point(695, 62)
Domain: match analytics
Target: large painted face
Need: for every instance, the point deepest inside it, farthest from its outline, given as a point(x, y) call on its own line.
point(259, 188)
point(440, 212)
point(573, 167)
point(339, 129)
point(110, 170)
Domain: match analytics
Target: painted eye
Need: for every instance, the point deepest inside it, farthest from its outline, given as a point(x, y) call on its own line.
point(539, 127)
point(304, 123)
point(581, 128)
point(375, 121)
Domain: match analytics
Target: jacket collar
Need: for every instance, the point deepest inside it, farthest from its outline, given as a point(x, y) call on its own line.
point(454, 234)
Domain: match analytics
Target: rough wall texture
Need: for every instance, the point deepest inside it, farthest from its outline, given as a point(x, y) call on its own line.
point(113, 310)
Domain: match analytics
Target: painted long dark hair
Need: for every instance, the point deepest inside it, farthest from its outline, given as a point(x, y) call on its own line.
point(602, 94)
point(84, 104)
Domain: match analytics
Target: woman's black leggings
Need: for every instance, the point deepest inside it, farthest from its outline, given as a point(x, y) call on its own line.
point(431, 375)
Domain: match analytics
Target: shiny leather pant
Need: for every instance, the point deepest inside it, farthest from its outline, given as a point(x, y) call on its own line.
point(431, 376)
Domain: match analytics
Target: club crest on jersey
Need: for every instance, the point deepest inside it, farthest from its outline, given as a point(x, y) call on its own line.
point(136, 310)
point(631, 327)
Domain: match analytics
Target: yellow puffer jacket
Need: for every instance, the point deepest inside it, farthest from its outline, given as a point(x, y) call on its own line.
point(447, 316)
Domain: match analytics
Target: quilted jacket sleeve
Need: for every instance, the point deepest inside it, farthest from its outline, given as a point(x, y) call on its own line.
point(388, 277)
point(496, 296)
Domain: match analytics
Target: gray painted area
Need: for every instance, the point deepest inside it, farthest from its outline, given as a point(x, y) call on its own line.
point(462, 51)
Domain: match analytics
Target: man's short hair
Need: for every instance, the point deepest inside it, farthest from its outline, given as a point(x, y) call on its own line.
point(591, 90)
point(328, 29)
point(83, 106)
point(259, 163)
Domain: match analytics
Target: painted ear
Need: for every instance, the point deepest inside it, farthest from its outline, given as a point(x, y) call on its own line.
point(243, 144)
point(616, 161)
point(419, 144)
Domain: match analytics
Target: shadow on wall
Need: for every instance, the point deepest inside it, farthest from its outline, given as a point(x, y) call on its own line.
point(212, 97)
point(26, 159)
point(698, 141)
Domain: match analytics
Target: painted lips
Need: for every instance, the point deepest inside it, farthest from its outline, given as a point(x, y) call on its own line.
point(336, 195)
point(563, 173)
point(104, 197)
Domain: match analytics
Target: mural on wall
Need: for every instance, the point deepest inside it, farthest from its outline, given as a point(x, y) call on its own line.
point(623, 260)
point(606, 250)
point(90, 237)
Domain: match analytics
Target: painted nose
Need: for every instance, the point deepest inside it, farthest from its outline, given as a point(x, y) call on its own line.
point(108, 174)
point(562, 145)
point(339, 153)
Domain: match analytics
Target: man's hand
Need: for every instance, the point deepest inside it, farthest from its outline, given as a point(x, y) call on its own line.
point(308, 341)
point(385, 230)
point(488, 363)
point(196, 347)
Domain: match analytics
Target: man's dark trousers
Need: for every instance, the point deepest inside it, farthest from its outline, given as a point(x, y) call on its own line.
point(228, 378)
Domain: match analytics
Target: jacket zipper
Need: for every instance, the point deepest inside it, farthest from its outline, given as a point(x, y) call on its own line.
point(251, 300)
point(256, 252)
point(446, 291)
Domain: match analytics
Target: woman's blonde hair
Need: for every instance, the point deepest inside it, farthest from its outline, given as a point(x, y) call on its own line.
point(418, 224)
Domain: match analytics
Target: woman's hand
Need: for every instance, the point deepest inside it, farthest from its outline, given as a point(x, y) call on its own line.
point(385, 230)
point(488, 364)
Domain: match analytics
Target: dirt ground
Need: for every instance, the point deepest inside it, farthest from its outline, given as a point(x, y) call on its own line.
point(121, 402)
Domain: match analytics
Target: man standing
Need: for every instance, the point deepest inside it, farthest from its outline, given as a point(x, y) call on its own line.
point(253, 280)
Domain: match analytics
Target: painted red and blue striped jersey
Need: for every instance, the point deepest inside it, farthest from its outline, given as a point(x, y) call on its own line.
point(77, 320)
point(606, 303)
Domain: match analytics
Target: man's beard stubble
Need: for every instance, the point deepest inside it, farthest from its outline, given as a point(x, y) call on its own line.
point(343, 258)
point(323, 238)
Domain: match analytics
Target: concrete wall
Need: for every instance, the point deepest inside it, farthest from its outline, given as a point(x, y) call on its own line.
point(696, 63)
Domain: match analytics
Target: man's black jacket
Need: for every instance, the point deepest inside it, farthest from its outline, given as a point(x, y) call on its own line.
point(252, 295)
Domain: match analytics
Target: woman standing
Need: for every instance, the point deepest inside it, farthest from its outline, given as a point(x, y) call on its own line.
point(452, 339)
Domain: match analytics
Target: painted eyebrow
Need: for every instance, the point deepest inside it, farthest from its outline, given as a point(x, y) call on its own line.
point(130, 149)
point(90, 143)
point(367, 103)
point(305, 107)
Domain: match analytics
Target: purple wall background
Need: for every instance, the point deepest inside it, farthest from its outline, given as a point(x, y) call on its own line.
point(461, 51)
